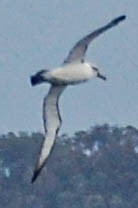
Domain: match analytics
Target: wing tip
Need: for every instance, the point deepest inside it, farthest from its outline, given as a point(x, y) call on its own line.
point(35, 174)
point(118, 19)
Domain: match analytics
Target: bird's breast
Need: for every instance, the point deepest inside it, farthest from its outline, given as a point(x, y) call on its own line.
point(73, 73)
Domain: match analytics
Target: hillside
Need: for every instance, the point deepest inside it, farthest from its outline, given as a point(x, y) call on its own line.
point(97, 168)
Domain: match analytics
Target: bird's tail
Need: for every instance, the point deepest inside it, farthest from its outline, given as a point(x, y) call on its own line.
point(38, 78)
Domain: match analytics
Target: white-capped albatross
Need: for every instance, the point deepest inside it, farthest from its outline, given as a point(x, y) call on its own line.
point(73, 71)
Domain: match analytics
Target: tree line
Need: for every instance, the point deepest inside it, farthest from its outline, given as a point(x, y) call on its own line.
point(96, 168)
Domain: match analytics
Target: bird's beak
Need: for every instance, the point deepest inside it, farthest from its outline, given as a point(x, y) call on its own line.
point(101, 76)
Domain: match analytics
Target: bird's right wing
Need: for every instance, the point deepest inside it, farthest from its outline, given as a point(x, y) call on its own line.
point(77, 53)
point(52, 122)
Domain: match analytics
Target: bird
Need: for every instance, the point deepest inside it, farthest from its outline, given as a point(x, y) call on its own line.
point(74, 70)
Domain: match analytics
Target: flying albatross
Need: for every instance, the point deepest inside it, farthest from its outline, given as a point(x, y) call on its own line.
point(73, 71)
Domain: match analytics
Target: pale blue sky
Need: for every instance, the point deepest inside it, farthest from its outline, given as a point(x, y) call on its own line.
point(39, 34)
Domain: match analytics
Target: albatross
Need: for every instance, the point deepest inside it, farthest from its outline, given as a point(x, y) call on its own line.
point(74, 70)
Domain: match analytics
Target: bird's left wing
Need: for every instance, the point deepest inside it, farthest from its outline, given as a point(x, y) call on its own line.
point(52, 122)
point(77, 53)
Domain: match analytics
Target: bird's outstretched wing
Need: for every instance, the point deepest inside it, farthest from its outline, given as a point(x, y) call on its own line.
point(77, 53)
point(52, 122)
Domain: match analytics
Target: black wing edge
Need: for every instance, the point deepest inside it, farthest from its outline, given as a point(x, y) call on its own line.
point(118, 19)
point(36, 173)
point(95, 33)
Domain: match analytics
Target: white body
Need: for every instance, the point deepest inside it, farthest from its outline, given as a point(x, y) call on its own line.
point(71, 73)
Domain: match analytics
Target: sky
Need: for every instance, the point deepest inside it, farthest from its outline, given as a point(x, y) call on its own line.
point(37, 35)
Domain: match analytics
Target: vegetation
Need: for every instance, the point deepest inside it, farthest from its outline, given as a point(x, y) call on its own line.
point(97, 168)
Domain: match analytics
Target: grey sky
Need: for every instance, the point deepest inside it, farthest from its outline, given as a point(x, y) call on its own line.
point(39, 34)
